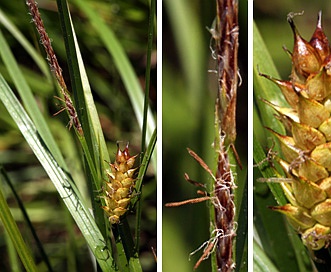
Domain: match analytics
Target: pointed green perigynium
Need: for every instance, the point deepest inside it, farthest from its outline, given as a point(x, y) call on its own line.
point(306, 149)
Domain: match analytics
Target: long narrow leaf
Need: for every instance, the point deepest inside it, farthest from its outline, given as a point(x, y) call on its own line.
point(148, 71)
point(28, 221)
point(28, 100)
point(75, 77)
point(15, 235)
point(264, 88)
point(26, 45)
point(63, 183)
point(93, 142)
point(261, 261)
point(123, 65)
point(141, 174)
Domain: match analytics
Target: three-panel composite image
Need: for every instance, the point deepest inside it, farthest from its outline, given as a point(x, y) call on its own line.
point(173, 135)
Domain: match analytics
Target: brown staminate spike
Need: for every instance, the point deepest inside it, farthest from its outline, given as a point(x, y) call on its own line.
point(55, 67)
point(226, 40)
point(306, 148)
point(225, 37)
point(227, 58)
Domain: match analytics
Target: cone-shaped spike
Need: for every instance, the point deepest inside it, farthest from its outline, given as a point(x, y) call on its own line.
point(306, 147)
point(118, 192)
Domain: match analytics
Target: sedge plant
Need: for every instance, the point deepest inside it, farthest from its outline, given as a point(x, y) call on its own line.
point(84, 157)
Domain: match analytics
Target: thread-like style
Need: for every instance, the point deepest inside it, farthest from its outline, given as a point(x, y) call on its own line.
point(222, 200)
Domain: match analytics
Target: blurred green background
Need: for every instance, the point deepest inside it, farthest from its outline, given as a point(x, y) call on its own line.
point(188, 93)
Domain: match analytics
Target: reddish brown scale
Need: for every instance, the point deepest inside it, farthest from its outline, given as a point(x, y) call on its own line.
point(289, 91)
point(304, 57)
point(319, 40)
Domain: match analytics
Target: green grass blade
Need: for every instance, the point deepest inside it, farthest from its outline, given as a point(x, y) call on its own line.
point(93, 142)
point(99, 139)
point(241, 245)
point(38, 59)
point(128, 246)
point(123, 65)
point(77, 86)
point(261, 261)
point(28, 100)
point(148, 71)
point(141, 174)
point(145, 162)
point(14, 233)
point(75, 76)
point(264, 88)
point(186, 29)
point(14, 261)
point(63, 183)
point(28, 221)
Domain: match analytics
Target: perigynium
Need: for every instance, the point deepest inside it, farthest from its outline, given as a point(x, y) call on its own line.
point(306, 147)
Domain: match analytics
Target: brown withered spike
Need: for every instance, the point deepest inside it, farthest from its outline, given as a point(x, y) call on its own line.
point(55, 67)
point(226, 40)
point(227, 30)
